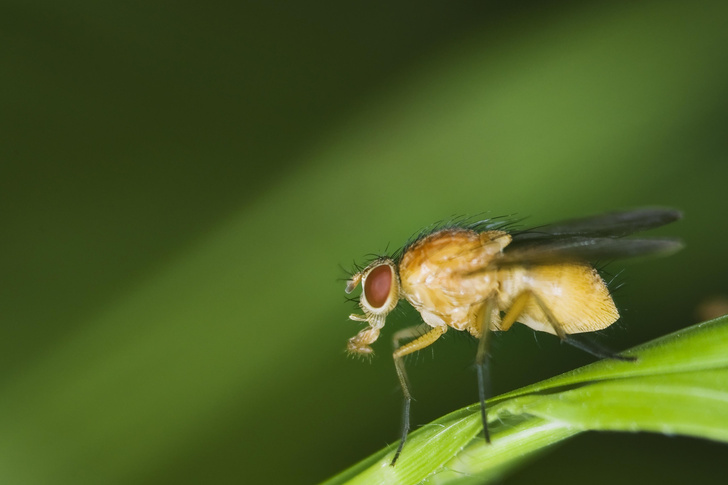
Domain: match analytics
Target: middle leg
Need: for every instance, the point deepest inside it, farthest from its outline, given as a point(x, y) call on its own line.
point(485, 319)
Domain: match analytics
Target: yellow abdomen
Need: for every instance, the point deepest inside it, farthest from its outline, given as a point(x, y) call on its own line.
point(574, 293)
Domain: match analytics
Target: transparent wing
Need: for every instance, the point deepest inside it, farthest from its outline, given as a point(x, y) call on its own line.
point(589, 239)
point(576, 248)
point(611, 224)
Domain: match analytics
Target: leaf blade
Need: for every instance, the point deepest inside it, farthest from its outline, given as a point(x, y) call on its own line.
point(676, 375)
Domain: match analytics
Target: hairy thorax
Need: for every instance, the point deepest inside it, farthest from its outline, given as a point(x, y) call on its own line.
point(442, 274)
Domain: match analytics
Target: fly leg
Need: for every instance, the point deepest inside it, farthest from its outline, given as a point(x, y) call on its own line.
point(592, 349)
point(597, 351)
point(407, 334)
point(516, 309)
point(519, 305)
point(419, 343)
point(484, 319)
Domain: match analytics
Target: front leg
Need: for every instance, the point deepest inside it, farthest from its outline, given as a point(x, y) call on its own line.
point(361, 342)
point(419, 343)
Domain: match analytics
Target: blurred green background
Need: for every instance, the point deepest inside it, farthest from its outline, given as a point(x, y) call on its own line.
point(180, 182)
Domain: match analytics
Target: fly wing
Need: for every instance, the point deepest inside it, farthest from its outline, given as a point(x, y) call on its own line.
point(586, 249)
point(609, 225)
point(589, 239)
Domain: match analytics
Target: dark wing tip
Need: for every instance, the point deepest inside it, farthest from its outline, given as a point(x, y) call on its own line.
point(667, 246)
point(664, 214)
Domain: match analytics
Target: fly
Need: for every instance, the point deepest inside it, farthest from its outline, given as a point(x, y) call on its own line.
point(481, 277)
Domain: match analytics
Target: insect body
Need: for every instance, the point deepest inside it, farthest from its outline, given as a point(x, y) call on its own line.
point(480, 278)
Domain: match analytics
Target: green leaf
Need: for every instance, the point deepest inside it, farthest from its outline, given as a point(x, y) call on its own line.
point(678, 386)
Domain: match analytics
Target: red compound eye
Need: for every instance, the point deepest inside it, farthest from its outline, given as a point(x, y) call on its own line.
point(377, 285)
